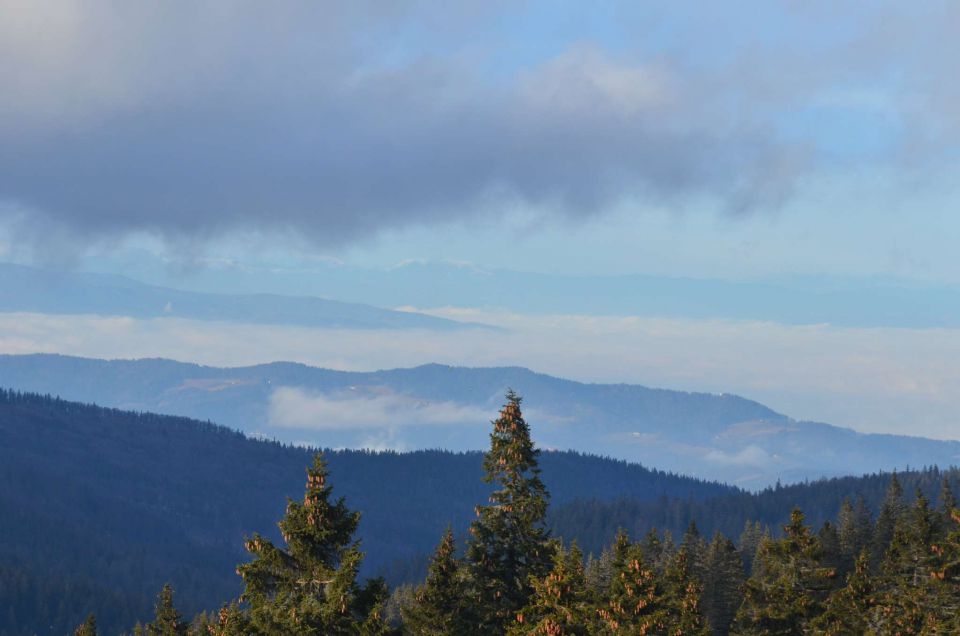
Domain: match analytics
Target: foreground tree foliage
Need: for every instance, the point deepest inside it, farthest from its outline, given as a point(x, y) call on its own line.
point(684, 592)
point(560, 603)
point(634, 603)
point(310, 586)
point(441, 606)
point(789, 584)
point(723, 577)
point(848, 610)
point(897, 576)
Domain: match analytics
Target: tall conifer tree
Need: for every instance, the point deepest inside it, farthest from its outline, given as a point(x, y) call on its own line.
point(509, 542)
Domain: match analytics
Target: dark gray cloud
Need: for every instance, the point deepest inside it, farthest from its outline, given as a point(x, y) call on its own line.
point(336, 121)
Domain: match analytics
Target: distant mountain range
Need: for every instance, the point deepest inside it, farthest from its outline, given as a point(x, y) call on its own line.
point(28, 289)
point(849, 302)
point(722, 437)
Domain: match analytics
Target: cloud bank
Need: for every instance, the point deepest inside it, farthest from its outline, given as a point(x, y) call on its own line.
point(336, 121)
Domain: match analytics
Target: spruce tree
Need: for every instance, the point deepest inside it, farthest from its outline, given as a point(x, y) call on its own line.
point(635, 603)
point(231, 621)
point(560, 604)
point(440, 606)
point(909, 559)
point(849, 609)
point(831, 554)
point(947, 575)
point(369, 608)
point(922, 528)
point(611, 561)
point(202, 624)
point(788, 585)
point(509, 544)
point(908, 586)
point(696, 549)
point(750, 540)
point(654, 551)
point(599, 572)
point(723, 580)
point(683, 590)
point(947, 504)
point(890, 513)
point(167, 620)
point(88, 627)
point(947, 500)
point(310, 586)
point(855, 528)
point(667, 551)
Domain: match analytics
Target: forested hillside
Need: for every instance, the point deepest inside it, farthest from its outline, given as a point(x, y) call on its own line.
point(595, 522)
point(102, 507)
point(898, 574)
point(109, 505)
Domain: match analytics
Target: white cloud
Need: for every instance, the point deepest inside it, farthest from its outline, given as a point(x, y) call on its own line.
point(751, 456)
point(293, 407)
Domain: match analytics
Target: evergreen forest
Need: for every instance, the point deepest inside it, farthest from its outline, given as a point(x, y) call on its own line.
point(707, 559)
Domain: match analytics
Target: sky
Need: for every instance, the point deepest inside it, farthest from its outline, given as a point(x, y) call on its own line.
point(249, 146)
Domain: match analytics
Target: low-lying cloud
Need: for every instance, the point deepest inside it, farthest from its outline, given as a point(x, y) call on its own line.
point(293, 407)
point(749, 456)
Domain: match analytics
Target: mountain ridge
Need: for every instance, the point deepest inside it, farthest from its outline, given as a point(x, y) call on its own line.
point(29, 289)
point(878, 301)
point(722, 437)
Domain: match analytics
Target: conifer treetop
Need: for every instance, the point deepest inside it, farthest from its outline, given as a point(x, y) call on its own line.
point(310, 586)
point(88, 627)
